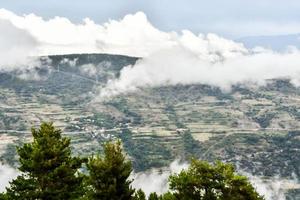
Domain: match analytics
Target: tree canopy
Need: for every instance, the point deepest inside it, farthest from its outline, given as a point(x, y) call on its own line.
point(211, 182)
point(109, 175)
point(49, 171)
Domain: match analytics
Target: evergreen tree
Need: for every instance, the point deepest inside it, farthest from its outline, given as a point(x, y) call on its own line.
point(208, 182)
point(48, 169)
point(109, 176)
point(153, 196)
point(139, 195)
point(168, 196)
point(49, 172)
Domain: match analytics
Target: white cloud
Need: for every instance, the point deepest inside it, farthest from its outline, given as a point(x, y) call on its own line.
point(168, 57)
point(16, 45)
point(182, 66)
point(89, 69)
point(272, 188)
point(18, 51)
point(133, 35)
point(156, 180)
point(6, 175)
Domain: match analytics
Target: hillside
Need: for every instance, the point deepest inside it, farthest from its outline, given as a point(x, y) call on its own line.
point(257, 128)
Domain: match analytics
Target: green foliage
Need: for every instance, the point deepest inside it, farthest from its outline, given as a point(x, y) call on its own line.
point(211, 182)
point(9, 156)
point(192, 147)
point(150, 148)
point(173, 116)
point(139, 195)
point(153, 196)
point(265, 119)
point(48, 170)
point(122, 105)
point(108, 178)
point(167, 196)
point(9, 122)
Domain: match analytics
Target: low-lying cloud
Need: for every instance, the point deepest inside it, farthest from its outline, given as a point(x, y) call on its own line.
point(168, 58)
point(7, 174)
point(273, 188)
point(156, 180)
point(181, 66)
point(17, 45)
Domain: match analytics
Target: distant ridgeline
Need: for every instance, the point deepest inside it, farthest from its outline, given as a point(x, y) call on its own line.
point(256, 128)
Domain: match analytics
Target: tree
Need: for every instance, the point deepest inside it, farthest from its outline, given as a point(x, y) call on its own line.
point(109, 176)
point(49, 172)
point(167, 196)
point(153, 196)
point(211, 182)
point(139, 195)
point(48, 169)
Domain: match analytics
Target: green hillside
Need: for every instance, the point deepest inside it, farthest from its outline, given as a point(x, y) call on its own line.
point(257, 128)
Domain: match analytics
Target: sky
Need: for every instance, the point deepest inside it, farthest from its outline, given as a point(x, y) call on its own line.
point(230, 18)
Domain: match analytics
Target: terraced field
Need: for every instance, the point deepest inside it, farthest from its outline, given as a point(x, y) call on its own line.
point(257, 128)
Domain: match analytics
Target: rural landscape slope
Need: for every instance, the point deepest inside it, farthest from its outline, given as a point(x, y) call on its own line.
point(256, 128)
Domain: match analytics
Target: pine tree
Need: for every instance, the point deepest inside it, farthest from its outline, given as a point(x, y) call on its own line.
point(109, 176)
point(153, 196)
point(211, 182)
point(48, 169)
point(139, 195)
point(169, 196)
